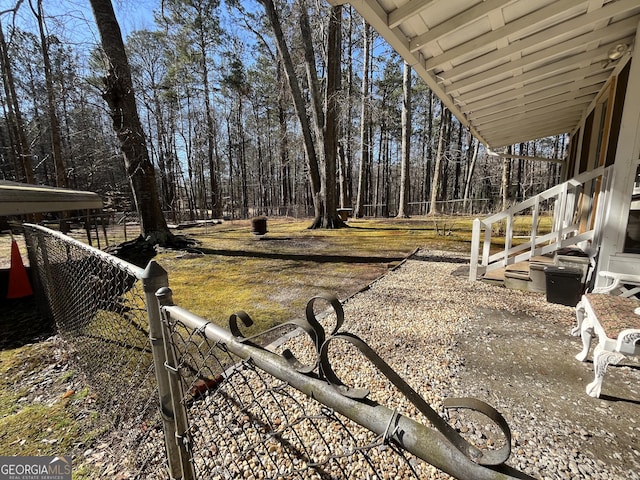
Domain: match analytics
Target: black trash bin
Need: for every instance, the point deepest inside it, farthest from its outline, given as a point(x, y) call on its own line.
point(564, 285)
point(259, 225)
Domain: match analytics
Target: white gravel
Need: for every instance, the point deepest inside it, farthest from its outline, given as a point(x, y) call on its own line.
point(449, 337)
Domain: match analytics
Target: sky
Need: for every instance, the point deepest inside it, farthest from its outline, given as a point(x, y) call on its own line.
point(73, 19)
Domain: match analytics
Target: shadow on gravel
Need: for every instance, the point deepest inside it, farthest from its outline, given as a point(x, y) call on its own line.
point(609, 398)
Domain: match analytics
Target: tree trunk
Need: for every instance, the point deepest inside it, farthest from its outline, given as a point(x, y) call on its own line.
point(312, 76)
point(330, 218)
point(54, 124)
point(21, 148)
point(122, 103)
point(285, 174)
point(435, 183)
point(365, 139)
point(472, 166)
point(309, 145)
point(346, 192)
point(522, 149)
point(216, 197)
point(403, 210)
point(506, 179)
point(428, 177)
point(459, 156)
point(243, 158)
point(446, 151)
point(342, 176)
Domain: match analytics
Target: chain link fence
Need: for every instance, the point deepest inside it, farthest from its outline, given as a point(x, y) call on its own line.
point(254, 412)
point(98, 304)
point(229, 408)
point(246, 423)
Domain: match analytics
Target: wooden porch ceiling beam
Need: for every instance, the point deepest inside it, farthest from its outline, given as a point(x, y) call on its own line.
point(612, 34)
point(549, 132)
point(526, 22)
point(406, 11)
point(553, 70)
point(534, 128)
point(456, 22)
point(552, 104)
point(471, 104)
point(515, 123)
point(491, 153)
point(579, 88)
point(526, 131)
point(527, 134)
point(602, 14)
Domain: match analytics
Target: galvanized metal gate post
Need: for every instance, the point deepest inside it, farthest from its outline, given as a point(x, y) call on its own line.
point(182, 436)
point(178, 455)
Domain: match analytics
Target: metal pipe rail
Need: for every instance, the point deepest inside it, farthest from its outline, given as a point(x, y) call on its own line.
point(429, 444)
point(65, 239)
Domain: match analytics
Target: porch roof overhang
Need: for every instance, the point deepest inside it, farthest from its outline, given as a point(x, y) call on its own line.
point(22, 198)
point(510, 70)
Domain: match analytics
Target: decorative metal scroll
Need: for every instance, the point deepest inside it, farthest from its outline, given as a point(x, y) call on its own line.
point(322, 369)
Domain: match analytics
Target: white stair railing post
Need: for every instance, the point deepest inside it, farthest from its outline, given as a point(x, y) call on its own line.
point(475, 250)
point(561, 214)
point(486, 247)
point(534, 225)
point(508, 238)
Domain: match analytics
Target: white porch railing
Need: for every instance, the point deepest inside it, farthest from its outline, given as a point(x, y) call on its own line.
point(571, 202)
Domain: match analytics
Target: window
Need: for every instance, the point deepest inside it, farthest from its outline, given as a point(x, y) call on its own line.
point(632, 239)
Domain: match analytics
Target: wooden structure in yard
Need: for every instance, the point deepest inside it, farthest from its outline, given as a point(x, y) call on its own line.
point(519, 70)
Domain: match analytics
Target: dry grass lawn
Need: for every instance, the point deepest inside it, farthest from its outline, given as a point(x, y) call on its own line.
point(272, 277)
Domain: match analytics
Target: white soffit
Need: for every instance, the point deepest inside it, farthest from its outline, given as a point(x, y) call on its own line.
point(511, 70)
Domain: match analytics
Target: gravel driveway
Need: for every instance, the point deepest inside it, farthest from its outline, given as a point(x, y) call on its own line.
point(449, 337)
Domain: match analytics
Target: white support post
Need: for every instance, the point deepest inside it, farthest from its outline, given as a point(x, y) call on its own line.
point(486, 247)
point(560, 214)
point(624, 171)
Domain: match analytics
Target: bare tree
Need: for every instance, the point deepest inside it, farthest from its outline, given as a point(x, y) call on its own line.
point(472, 167)
point(330, 217)
point(364, 123)
point(296, 93)
point(506, 178)
point(54, 124)
point(406, 143)
point(435, 184)
point(120, 98)
point(324, 147)
point(20, 144)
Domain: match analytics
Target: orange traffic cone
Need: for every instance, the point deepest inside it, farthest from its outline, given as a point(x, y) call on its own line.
point(19, 285)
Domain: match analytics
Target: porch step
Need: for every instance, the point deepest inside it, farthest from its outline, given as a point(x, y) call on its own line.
point(528, 275)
